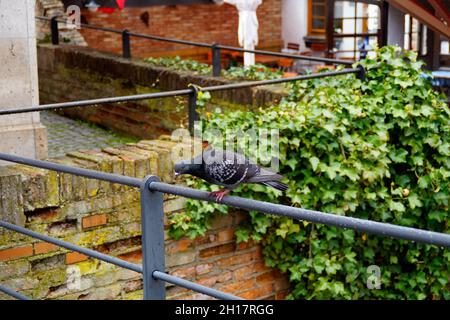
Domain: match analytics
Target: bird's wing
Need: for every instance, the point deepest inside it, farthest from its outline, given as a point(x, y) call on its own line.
point(228, 168)
point(265, 175)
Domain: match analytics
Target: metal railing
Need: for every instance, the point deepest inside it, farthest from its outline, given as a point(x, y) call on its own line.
point(192, 92)
point(152, 190)
point(215, 48)
point(152, 215)
point(153, 255)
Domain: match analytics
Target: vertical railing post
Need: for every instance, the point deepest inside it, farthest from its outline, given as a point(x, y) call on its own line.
point(361, 75)
point(126, 47)
point(153, 254)
point(192, 104)
point(217, 66)
point(54, 30)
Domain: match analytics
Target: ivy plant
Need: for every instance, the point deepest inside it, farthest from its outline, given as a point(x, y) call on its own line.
point(376, 149)
point(177, 63)
point(256, 72)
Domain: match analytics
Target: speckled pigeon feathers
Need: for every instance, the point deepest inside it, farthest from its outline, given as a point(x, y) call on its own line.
point(227, 168)
point(231, 169)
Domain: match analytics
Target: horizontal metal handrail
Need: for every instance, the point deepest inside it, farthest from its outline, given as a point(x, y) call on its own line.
point(115, 261)
point(84, 25)
point(93, 102)
point(379, 228)
point(357, 224)
point(179, 41)
point(173, 93)
point(92, 174)
point(287, 55)
point(72, 247)
point(114, 178)
point(206, 45)
point(13, 293)
point(194, 286)
point(247, 84)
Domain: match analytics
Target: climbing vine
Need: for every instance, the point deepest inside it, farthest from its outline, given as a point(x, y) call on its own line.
point(256, 72)
point(377, 149)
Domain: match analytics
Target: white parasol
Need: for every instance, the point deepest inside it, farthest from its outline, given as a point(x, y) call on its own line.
point(248, 26)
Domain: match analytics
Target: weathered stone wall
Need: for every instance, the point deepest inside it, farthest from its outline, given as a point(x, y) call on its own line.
point(106, 217)
point(69, 73)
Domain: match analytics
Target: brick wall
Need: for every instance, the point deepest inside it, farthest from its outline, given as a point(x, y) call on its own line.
point(70, 73)
point(201, 22)
point(106, 217)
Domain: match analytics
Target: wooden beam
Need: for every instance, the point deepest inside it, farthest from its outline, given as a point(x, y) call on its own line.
point(441, 10)
point(329, 27)
point(384, 10)
point(424, 16)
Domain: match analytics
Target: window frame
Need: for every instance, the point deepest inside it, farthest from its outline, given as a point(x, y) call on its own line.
point(356, 35)
point(311, 30)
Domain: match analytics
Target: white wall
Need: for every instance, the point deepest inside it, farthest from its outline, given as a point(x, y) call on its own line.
point(396, 27)
point(295, 21)
point(21, 134)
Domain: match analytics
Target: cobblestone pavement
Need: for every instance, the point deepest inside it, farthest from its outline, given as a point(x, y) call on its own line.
point(65, 135)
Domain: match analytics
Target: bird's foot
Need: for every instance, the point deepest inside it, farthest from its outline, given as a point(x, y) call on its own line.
point(219, 195)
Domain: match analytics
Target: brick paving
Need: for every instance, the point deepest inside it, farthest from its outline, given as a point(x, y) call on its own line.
point(65, 135)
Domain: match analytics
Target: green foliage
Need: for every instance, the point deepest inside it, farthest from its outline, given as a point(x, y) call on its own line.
point(46, 39)
point(376, 149)
point(202, 99)
point(176, 63)
point(256, 72)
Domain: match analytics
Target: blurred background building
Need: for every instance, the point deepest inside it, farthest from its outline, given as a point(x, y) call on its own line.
point(344, 29)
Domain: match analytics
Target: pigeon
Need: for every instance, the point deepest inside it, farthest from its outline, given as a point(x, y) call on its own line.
point(229, 170)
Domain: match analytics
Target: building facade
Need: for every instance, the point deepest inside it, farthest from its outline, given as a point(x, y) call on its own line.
point(349, 29)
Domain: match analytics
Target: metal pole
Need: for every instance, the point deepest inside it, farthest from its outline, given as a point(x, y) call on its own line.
point(13, 293)
point(361, 75)
point(88, 252)
point(208, 45)
point(88, 173)
point(378, 228)
point(216, 64)
point(165, 94)
point(91, 102)
point(153, 254)
point(195, 286)
point(192, 104)
point(54, 30)
point(126, 48)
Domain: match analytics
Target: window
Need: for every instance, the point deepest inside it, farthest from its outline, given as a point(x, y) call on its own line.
point(316, 17)
point(415, 35)
point(445, 47)
point(356, 28)
point(412, 27)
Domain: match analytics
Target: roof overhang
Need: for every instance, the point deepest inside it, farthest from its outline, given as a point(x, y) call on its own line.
point(135, 3)
point(435, 14)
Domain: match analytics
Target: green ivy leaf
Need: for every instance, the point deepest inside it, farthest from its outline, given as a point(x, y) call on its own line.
point(396, 206)
point(376, 149)
point(414, 201)
point(314, 162)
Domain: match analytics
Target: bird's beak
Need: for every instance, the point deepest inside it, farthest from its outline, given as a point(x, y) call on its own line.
point(177, 174)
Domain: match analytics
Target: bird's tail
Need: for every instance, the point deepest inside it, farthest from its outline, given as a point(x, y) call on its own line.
point(276, 184)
